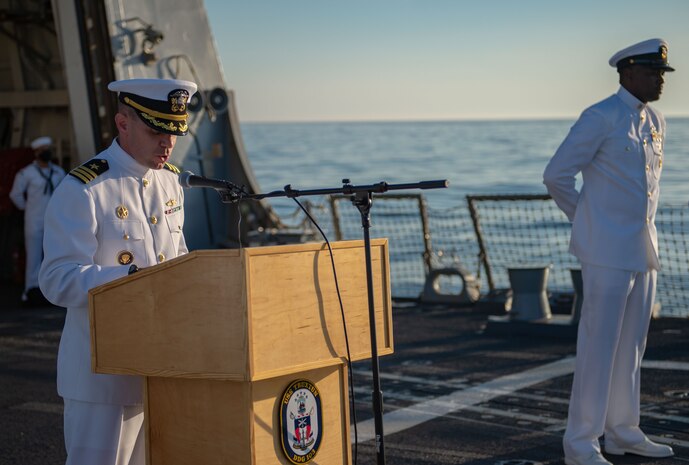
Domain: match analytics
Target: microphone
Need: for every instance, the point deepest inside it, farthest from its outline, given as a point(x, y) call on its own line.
point(189, 180)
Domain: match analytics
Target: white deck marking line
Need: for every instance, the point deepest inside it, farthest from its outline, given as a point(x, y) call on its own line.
point(518, 415)
point(452, 383)
point(43, 407)
point(665, 365)
point(513, 414)
point(661, 416)
point(665, 440)
point(408, 417)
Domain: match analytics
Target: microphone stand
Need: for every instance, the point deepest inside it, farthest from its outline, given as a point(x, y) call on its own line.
point(362, 198)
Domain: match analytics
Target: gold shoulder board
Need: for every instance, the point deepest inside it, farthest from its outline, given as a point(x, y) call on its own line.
point(171, 167)
point(90, 170)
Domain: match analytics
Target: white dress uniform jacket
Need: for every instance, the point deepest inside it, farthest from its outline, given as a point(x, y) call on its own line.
point(110, 213)
point(31, 191)
point(617, 145)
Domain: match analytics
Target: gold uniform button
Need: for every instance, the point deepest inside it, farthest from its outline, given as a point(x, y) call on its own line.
point(154, 220)
point(645, 142)
point(122, 212)
point(125, 237)
point(648, 167)
point(161, 257)
point(649, 194)
point(146, 182)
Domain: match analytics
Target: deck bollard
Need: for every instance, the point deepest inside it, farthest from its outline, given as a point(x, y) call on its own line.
point(529, 297)
point(432, 292)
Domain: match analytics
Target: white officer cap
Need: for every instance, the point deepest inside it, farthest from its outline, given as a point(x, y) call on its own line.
point(651, 53)
point(160, 103)
point(44, 141)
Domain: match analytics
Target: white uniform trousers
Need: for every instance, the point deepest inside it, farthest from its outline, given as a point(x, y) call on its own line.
point(104, 434)
point(33, 242)
point(615, 317)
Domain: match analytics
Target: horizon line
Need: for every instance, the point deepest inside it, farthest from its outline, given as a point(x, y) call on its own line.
point(429, 120)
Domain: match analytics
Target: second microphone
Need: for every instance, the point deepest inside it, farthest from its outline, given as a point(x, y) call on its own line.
point(189, 180)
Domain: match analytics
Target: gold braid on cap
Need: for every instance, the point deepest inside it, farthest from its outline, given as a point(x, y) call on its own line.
point(154, 113)
point(160, 124)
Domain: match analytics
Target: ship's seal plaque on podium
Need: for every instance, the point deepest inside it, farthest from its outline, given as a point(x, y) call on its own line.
point(301, 421)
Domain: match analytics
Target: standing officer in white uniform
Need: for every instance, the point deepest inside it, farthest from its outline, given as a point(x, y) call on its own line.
point(119, 211)
point(617, 145)
point(33, 185)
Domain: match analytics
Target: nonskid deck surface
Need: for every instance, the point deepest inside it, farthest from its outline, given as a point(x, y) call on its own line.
point(453, 394)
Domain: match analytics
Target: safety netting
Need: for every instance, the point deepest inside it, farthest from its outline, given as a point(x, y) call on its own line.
point(490, 234)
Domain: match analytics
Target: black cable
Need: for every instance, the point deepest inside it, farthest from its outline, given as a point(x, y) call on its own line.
point(237, 195)
point(239, 224)
point(344, 325)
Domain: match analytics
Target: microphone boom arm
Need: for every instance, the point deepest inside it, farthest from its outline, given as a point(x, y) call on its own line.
point(346, 189)
point(230, 192)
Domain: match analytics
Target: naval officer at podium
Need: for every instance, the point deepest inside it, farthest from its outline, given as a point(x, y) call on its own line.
point(121, 210)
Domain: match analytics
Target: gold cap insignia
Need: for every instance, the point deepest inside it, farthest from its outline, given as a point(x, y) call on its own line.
point(125, 257)
point(178, 100)
point(122, 212)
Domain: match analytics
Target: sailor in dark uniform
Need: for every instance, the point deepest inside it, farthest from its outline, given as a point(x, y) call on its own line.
point(617, 146)
point(119, 211)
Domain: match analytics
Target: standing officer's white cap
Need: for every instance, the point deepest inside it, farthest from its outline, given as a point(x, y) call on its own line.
point(651, 53)
point(44, 141)
point(160, 103)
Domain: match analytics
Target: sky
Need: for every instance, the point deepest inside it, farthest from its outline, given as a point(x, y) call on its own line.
point(416, 60)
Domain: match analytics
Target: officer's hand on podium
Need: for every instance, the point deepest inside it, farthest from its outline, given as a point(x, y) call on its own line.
point(133, 269)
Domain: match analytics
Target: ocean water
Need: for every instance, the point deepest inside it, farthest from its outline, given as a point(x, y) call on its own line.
point(486, 157)
point(476, 157)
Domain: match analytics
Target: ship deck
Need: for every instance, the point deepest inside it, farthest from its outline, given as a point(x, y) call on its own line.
point(453, 392)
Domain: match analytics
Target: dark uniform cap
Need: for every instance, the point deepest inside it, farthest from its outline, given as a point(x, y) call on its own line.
point(160, 103)
point(651, 53)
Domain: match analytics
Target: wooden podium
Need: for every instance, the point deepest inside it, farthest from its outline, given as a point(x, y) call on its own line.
point(220, 334)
